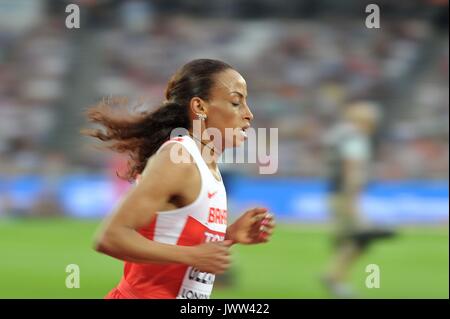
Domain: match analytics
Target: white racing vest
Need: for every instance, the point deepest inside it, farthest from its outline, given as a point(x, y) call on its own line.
point(205, 220)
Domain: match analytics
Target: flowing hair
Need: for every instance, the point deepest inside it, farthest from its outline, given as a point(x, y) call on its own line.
point(140, 134)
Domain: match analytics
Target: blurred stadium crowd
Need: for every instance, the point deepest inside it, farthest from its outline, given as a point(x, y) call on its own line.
point(300, 73)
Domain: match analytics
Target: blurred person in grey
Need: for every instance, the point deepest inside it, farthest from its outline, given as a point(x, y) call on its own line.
point(349, 146)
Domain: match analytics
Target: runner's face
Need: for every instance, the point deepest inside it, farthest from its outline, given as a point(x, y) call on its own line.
point(227, 108)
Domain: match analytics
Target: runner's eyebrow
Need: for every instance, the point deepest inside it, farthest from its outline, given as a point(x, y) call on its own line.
point(238, 93)
point(231, 92)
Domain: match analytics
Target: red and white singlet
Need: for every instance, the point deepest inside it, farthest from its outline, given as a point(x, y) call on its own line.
point(204, 220)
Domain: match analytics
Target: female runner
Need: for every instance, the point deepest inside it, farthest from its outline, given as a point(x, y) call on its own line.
point(171, 228)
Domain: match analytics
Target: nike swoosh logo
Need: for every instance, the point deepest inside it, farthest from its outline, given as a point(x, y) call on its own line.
point(210, 195)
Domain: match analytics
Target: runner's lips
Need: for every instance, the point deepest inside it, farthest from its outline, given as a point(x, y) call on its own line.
point(243, 131)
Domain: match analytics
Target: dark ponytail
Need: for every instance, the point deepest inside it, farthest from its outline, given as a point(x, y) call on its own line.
point(140, 134)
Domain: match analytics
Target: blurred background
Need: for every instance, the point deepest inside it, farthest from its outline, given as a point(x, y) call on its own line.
point(302, 61)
